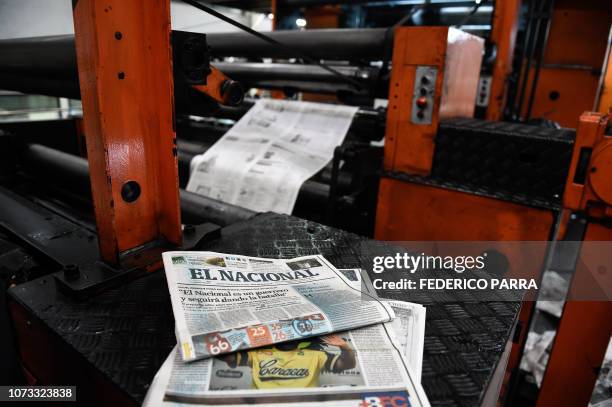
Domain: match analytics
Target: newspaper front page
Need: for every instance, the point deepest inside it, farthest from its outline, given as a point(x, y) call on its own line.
point(357, 368)
point(263, 160)
point(224, 303)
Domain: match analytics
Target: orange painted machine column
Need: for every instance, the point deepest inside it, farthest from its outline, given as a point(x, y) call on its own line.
point(125, 72)
point(586, 325)
point(603, 99)
point(434, 76)
point(503, 35)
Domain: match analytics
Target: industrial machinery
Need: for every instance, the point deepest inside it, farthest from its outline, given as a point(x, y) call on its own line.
point(82, 229)
point(339, 196)
point(541, 61)
point(479, 181)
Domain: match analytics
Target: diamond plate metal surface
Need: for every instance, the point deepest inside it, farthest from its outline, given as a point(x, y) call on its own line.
point(127, 332)
point(507, 160)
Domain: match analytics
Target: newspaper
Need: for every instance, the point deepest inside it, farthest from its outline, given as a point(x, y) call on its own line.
point(361, 367)
point(263, 160)
point(408, 324)
point(224, 303)
point(359, 280)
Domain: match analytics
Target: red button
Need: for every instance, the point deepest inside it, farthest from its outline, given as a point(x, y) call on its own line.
point(421, 102)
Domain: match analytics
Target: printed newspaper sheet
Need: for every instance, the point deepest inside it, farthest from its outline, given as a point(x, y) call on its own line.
point(361, 367)
point(408, 324)
point(224, 303)
point(263, 160)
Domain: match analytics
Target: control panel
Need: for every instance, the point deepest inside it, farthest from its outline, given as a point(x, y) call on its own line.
point(484, 91)
point(423, 95)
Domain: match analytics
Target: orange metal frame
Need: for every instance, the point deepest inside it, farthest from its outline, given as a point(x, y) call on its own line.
point(409, 147)
point(414, 141)
point(415, 212)
point(503, 35)
point(409, 211)
point(594, 195)
point(586, 326)
point(574, 54)
point(125, 74)
point(603, 101)
point(582, 337)
point(435, 213)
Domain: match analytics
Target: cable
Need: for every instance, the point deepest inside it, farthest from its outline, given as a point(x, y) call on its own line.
point(389, 34)
point(272, 41)
point(408, 15)
point(471, 13)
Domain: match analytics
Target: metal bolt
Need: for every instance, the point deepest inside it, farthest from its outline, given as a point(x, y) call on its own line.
point(118, 35)
point(121, 75)
point(232, 92)
point(130, 191)
point(71, 272)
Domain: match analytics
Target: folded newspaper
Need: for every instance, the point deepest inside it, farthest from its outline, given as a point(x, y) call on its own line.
point(226, 303)
point(408, 324)
point(376, 365)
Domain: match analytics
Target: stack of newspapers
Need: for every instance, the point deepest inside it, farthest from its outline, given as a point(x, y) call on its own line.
point(295, 332)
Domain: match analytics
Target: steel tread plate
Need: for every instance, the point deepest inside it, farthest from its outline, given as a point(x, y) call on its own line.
point(504, 159)
point(127, 332)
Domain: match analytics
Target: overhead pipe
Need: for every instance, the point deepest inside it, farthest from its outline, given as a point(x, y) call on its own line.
point(48, 65)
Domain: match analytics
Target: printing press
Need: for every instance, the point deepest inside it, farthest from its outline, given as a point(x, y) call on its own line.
point(90, 199)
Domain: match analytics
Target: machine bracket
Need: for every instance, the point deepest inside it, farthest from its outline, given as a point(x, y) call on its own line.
point(83, 280)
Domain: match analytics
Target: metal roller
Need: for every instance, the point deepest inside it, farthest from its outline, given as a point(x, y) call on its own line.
point(368, 123)
point(53, 57)
point(47, 65)
point(73, 171)
point(306, 78)
point(329, 44)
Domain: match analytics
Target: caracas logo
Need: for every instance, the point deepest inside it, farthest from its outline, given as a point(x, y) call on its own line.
point(269, 371)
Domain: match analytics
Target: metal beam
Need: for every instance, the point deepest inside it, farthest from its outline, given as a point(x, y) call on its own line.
point(125, 75)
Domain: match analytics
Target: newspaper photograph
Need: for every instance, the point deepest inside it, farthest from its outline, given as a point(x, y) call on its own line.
point(225, 303)
point(263, 160)
point(360, 367)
